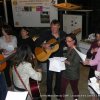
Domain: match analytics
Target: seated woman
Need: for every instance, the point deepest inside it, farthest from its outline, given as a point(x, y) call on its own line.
point(23, 63)
point(8, 43)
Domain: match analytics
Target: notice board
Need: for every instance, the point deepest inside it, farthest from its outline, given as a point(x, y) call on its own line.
point(34, 13)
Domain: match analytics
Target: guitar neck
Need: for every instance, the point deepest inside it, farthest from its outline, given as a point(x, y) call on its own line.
point(51, 45)
point(57, 42)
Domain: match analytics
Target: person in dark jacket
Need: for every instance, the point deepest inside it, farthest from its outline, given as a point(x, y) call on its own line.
point(58, 35)
point(26, 39)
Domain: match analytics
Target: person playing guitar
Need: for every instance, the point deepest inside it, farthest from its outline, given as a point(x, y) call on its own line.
point(43, 41)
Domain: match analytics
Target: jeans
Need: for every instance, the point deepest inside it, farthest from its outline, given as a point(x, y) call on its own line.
point(3, 87)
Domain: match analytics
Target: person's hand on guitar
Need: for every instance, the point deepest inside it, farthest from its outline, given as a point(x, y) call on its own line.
point(44, 51)
point(46, 46)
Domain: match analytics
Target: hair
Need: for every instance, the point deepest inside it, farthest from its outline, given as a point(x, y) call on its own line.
point(55, 22)
point(23, 53)
point(97, 33)
point(25, 28)
point(73, 37)
point(7, 29)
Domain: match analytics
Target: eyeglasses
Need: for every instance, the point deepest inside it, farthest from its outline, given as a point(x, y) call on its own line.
point(69, 40)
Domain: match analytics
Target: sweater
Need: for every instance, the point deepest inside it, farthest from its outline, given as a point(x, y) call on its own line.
point(96, 60)
point(72, 71)
point(25, 71)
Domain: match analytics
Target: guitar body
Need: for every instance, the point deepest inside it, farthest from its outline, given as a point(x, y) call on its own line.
point(34, 89)
point(43, 54)
point(3, 65)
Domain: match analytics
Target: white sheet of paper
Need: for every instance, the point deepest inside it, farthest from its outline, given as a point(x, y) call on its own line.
point(82, 56)
point(8, 53)
point(97, 74)
point(94, 85)
point(93, 80)
point(11, 95)
point(57, 64)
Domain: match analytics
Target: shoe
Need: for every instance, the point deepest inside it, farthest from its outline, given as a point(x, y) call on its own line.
point(58, 97)
point(48, 98)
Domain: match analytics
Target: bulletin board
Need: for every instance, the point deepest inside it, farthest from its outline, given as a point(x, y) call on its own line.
point(71, 23)
point(34, 13)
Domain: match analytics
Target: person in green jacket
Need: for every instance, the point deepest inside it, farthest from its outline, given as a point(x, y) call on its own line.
point(72, 73)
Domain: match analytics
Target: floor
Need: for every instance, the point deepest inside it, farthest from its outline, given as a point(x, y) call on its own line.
point(84, 94)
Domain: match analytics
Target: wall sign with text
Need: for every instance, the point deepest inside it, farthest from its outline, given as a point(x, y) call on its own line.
point(34, 13)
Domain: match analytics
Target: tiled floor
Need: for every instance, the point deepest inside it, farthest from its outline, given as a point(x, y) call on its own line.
point(84, 94)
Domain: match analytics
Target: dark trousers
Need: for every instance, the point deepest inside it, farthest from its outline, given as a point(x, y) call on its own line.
point(74, 86)
point(57, 86)
point(91, 73)
point(3, 87)
point(7, 74)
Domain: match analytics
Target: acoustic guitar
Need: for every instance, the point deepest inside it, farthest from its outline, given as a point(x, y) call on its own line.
point(43, 54)
point(34, 89)
point(2, 63)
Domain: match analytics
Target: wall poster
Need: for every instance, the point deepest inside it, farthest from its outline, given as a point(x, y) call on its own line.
point(34, 13)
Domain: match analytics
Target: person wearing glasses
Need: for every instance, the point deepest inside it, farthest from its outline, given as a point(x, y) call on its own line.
point(72, 73)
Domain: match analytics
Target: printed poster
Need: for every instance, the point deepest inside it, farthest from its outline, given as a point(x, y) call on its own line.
point(34, 13)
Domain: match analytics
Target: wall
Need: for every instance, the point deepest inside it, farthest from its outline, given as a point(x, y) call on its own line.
point(71, 23)
point(94, 19)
